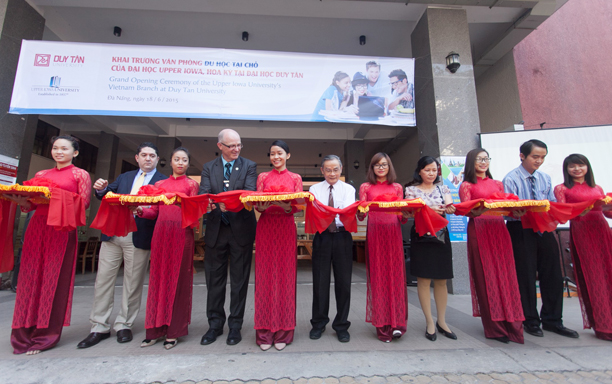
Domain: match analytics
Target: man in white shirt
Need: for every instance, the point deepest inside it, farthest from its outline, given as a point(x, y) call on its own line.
point(333, 247)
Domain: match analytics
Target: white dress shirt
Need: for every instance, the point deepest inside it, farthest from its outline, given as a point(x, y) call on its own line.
point(343, 193)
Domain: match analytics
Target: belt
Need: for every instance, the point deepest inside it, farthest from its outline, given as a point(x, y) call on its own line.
point(338, 229)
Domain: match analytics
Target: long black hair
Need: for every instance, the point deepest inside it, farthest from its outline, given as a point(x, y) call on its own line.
point(371, 175)
point(469, 173)
point(422, 163)
point(576, 158)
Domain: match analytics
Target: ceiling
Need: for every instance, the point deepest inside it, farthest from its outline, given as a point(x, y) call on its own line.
point(311, 26)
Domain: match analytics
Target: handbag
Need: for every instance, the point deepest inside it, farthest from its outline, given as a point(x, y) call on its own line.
point(440, 236)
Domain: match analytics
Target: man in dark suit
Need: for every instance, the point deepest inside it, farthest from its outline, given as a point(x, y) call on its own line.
point(132, 250)
point(229, 236)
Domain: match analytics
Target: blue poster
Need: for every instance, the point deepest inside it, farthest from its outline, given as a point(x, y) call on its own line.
point(452, 176)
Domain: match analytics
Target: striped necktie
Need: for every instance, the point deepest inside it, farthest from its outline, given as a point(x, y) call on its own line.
point(226, 179)
point(228, 173)
point(532, 182)
point(332, 227)
point(138, 183)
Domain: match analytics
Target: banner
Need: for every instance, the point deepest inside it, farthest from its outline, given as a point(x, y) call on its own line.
point(8, 170)
point(60, 78)
point(452, 176)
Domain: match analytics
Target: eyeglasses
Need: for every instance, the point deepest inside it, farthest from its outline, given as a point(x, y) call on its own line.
point(233, 146)
point(395, 82)
point(361, 86)
point(329, 171)
point(483, 159)
point(381, 166)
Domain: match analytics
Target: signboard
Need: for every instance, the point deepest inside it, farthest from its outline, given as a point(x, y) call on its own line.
point(452, 176)
point(8, 170)
point(131, 80)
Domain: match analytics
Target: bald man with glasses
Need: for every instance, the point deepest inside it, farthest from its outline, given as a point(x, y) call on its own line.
point(229, 237)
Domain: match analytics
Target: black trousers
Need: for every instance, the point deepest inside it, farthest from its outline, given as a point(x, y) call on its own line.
point(215, 266)
point(538, 255)
point(331, 250)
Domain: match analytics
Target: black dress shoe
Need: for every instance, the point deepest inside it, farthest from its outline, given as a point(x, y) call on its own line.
point(93, 339)
point(124, 336)
point(561, 330)
point(502, 339)
point(431, 336)
point(316, 333)
point(450, 335)
point(343, 336)
point(211, 336)
point(533, 330)
point(233, 337)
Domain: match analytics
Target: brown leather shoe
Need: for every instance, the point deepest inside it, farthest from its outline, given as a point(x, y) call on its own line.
point(124, 336)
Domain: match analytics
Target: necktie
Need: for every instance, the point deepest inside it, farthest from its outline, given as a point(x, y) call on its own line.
point(226, 178)
point(332, 227)
point(533, 187)
point(533, 192)
point(228, 173)
point(138, 183)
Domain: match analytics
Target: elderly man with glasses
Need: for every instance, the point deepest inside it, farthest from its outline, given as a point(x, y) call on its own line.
point(333, 247)
point(229, 238)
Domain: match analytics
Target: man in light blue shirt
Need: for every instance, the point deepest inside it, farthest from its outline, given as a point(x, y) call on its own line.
point(536, 254)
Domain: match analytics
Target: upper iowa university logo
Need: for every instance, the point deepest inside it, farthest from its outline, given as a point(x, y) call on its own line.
point(55, 81)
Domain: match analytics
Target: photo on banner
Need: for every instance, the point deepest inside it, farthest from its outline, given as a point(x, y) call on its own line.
point(65, 78)
point(452, 176)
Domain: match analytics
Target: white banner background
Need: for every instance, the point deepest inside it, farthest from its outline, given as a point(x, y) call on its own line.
point(129, 80)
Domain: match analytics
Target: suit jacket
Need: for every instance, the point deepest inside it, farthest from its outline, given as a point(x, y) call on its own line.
point(123, 185)
point(244, 176)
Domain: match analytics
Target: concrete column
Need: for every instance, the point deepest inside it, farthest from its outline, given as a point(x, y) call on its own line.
point(106, 165)
point(446, 105)
point(354, 151)
point(18, 20)
point(165, 146)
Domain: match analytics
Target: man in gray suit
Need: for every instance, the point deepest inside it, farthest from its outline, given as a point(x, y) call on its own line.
point(229, 236)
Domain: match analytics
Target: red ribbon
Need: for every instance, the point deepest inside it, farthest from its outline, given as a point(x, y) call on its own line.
point(117, 220)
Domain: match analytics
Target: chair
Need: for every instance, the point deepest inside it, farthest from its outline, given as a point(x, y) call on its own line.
point(198, 254)
point(90, 252)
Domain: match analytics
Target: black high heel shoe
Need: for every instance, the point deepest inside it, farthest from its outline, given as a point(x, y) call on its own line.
point(450, 335)
point(430, 336)
point(502, 339)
